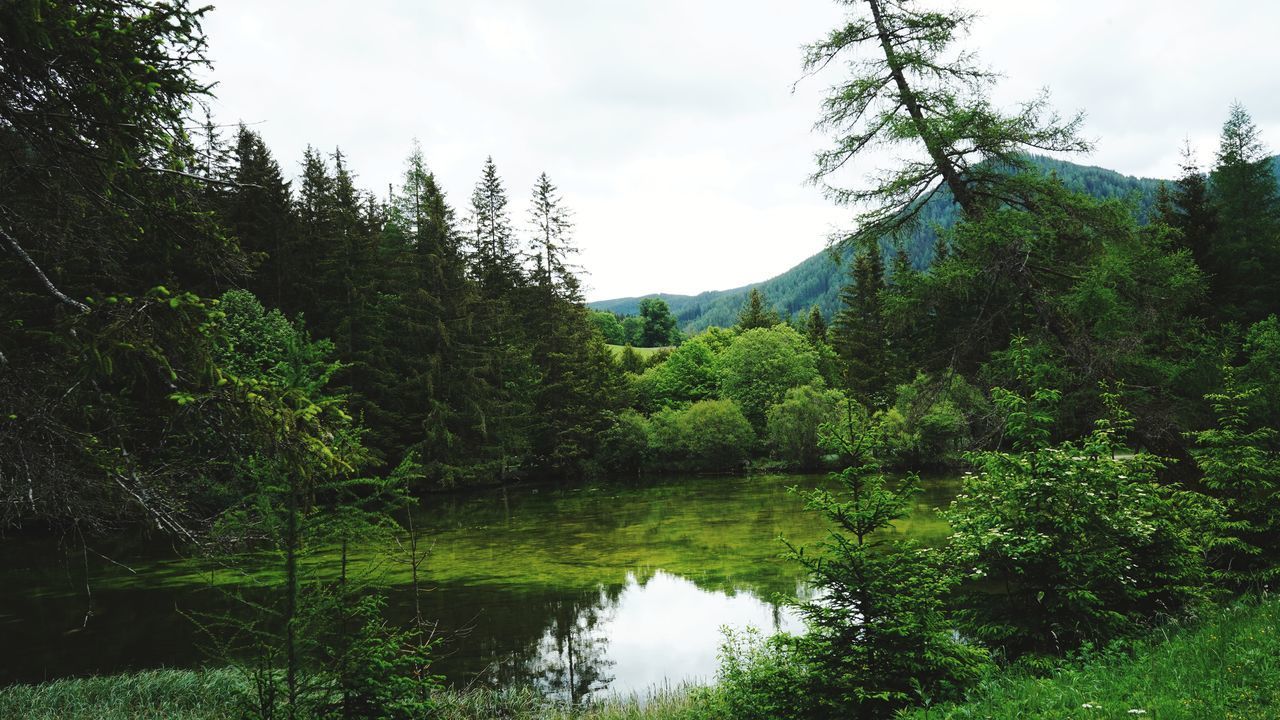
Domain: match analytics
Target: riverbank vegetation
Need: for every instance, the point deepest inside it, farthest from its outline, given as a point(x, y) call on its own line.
point(1224, 665)
point(270, 374)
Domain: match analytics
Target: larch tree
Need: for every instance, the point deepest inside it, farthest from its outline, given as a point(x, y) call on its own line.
point(909, 87)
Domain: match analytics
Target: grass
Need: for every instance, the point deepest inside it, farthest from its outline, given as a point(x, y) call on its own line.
point(146, 695)
point(214, 695)
point(1226, 668)
point(644, 353)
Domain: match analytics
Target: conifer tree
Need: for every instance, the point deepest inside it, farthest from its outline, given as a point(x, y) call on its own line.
point(909, 88)
point(815, 326)
point(1245, 255)
point(434, 390)
point(260, 214)
point(505, 365)
point(1190, 208)
point(550, 246)
point(859, 335)
point(495, 263)
point(756, 312)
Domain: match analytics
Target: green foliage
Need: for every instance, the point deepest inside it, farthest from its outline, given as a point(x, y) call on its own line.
point(707, 436)
point(1223, 667)
point(794, 424)
point(759, 679)
point(610, 327)
point(624, 446)
point(934, 421)
point(760, 365)
point(1240, 466)
point(860, 337)
point(715, 435)
point(687, 375)
point(1080, 542)
point(1244, 254)
point(756, 313)
point(659, 327)
point(877, 636)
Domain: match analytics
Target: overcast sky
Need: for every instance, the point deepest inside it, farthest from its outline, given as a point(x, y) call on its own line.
point(671, 126)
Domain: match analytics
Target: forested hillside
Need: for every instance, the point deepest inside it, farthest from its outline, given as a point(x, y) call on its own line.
point(818, 279)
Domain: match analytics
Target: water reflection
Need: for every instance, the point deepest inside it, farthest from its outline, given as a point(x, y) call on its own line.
point(582, 590)
point(654, 633)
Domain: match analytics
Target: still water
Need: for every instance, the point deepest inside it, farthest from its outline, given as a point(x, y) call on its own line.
point(610, 588)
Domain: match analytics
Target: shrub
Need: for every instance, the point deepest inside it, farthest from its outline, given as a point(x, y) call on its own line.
point(1081, 544)
point(760, 365)
point(793, 424)
point(624, 447)
point(715, 435)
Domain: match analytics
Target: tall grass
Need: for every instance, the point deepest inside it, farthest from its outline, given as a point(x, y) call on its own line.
point(146, 695)
point(216, 695)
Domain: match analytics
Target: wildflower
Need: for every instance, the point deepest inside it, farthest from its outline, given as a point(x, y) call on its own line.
point(1137, 711)
point(1091, 706)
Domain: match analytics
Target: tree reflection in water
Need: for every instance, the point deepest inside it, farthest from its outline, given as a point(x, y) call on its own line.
point(654, 631)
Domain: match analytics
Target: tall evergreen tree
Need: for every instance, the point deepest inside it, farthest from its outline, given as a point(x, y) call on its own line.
point(550, 246)
point(859, 335)
point(1245, 255)
point(506, 368)
point(495, 262)
point(756, 312)
point(434, 392)
point(260, 214)
point(1190, 209)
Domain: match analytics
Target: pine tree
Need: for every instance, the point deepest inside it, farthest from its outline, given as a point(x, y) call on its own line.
point(815, 327)
point(1190, 208)
point(495, 263)
point(756, 312)
point(1245, 255)
point(260, 214)
point(434, 390)
point(910, 88)
point(506, 368)
point(859, 335)
point(550, 246)
point(1241, 468)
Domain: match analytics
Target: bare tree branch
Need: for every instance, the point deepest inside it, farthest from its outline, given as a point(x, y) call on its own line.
point(53, 289)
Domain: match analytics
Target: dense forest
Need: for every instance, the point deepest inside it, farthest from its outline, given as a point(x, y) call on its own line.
point(272, 372)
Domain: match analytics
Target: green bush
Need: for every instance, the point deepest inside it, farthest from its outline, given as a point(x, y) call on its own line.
point(760, 365)
point(715, 435)
point(1081, 542)
point(793, 424)
point(624, 447)
point(932, 421)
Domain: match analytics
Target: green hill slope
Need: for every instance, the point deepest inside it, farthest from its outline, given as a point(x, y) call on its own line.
point(818, 279)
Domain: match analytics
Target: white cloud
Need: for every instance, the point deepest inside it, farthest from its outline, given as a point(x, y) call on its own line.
point(671, 126)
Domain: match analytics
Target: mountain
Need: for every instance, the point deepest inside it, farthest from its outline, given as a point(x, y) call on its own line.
point(818, 280)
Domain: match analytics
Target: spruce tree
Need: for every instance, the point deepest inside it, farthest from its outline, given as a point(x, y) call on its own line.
point(550, 246)
point(1191, 209)
point(815, 326)
point(505, 365)
point(1245, 255)
point(859, 335)
point(756, 312)
point(434, 391)
point(494, 259)
point(260, 214)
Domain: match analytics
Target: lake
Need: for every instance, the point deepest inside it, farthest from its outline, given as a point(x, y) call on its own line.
point(583, 590)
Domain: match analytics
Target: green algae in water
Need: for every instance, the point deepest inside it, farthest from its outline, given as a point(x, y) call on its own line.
point(539, 576)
